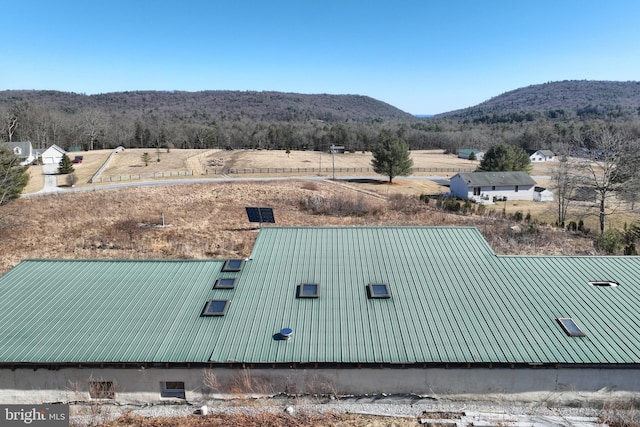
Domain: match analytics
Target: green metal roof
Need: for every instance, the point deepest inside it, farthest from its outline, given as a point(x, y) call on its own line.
point(452, 301)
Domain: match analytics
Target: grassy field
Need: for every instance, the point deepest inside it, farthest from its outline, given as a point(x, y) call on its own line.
point(128, 164)
point(208, 220)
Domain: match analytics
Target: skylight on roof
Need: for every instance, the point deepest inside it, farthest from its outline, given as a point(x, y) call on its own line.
point(225, 283)
point(308, 290)
point(215, 307)
point(233, 265)
point(378, 290)
point(603, 283)
point(570, 327)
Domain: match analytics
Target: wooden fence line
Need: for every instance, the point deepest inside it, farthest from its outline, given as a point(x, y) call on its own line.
point(264, 171)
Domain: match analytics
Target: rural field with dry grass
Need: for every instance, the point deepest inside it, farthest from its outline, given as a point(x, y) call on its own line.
point(208, 220)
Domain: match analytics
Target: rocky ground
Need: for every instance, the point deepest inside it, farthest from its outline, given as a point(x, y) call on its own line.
point(534, 409)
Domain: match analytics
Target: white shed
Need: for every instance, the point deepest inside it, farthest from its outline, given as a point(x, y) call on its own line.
point(541, 194)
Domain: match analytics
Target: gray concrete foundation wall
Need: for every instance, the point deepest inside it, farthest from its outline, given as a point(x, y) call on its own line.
point(137, 386)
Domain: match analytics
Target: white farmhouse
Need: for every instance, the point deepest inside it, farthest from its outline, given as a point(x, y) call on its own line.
point(23, 150)
point(541, 155)
point(488, 187)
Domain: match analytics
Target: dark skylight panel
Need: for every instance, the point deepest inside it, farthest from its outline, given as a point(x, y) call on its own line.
point(308, 290)
point(233, 265)
point(215, 307)
point(225, 283)
point(378, 290)
point(570, 327)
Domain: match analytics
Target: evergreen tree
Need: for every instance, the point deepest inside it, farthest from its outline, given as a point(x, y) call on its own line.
point(65, 166)
point(505, 158)
point(13, 177)
point(391, 156)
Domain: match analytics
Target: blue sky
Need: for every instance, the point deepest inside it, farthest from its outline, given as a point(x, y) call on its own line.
point(422, 56)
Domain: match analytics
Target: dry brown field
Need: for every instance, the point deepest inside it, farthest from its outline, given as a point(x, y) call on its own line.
point(36, 180)
point(128, 164)
point(208, 220)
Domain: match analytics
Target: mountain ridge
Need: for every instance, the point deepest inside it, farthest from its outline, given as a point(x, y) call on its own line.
point(567, 99)
point(219, 104)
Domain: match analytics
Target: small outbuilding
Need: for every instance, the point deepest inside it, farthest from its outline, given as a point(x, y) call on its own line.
point(541, 194)
point(52, 155)
point(470, 154)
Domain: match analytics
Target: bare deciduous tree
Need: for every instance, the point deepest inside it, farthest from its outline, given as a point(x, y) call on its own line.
point(610, 166)
point(565, 183)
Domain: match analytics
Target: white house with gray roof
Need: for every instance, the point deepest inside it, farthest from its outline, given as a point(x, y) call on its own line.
point(541, 155)
point(22, 149)
point(489, 187)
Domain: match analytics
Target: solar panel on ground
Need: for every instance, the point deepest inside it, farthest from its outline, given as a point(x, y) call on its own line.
point(260, 215)
point(267, 215)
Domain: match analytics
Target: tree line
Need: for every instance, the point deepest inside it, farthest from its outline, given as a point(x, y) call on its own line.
point(91, 128)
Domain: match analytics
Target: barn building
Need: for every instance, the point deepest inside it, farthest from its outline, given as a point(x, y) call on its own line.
point(427, 310)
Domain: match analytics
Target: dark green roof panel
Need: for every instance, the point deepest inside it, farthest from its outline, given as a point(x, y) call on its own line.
point(452, 301)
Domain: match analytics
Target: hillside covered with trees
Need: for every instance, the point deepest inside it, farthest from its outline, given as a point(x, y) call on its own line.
point(569, 99)
point(208, 119)
point(557, 116)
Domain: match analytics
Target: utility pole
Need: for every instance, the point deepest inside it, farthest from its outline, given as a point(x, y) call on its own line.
point(333, 160)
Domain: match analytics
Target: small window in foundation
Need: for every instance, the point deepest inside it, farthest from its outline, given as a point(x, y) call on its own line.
point(603, 283)
point(173, 389)
point(102, 390)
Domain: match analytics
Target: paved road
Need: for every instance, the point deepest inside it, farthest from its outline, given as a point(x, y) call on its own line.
point(51, 187)
point(50, 180)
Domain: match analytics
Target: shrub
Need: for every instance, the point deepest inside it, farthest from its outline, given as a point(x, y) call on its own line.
point(450, 204)
point(608, 242)
point(467, 207)
point(72, 179)
point(630, 249)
